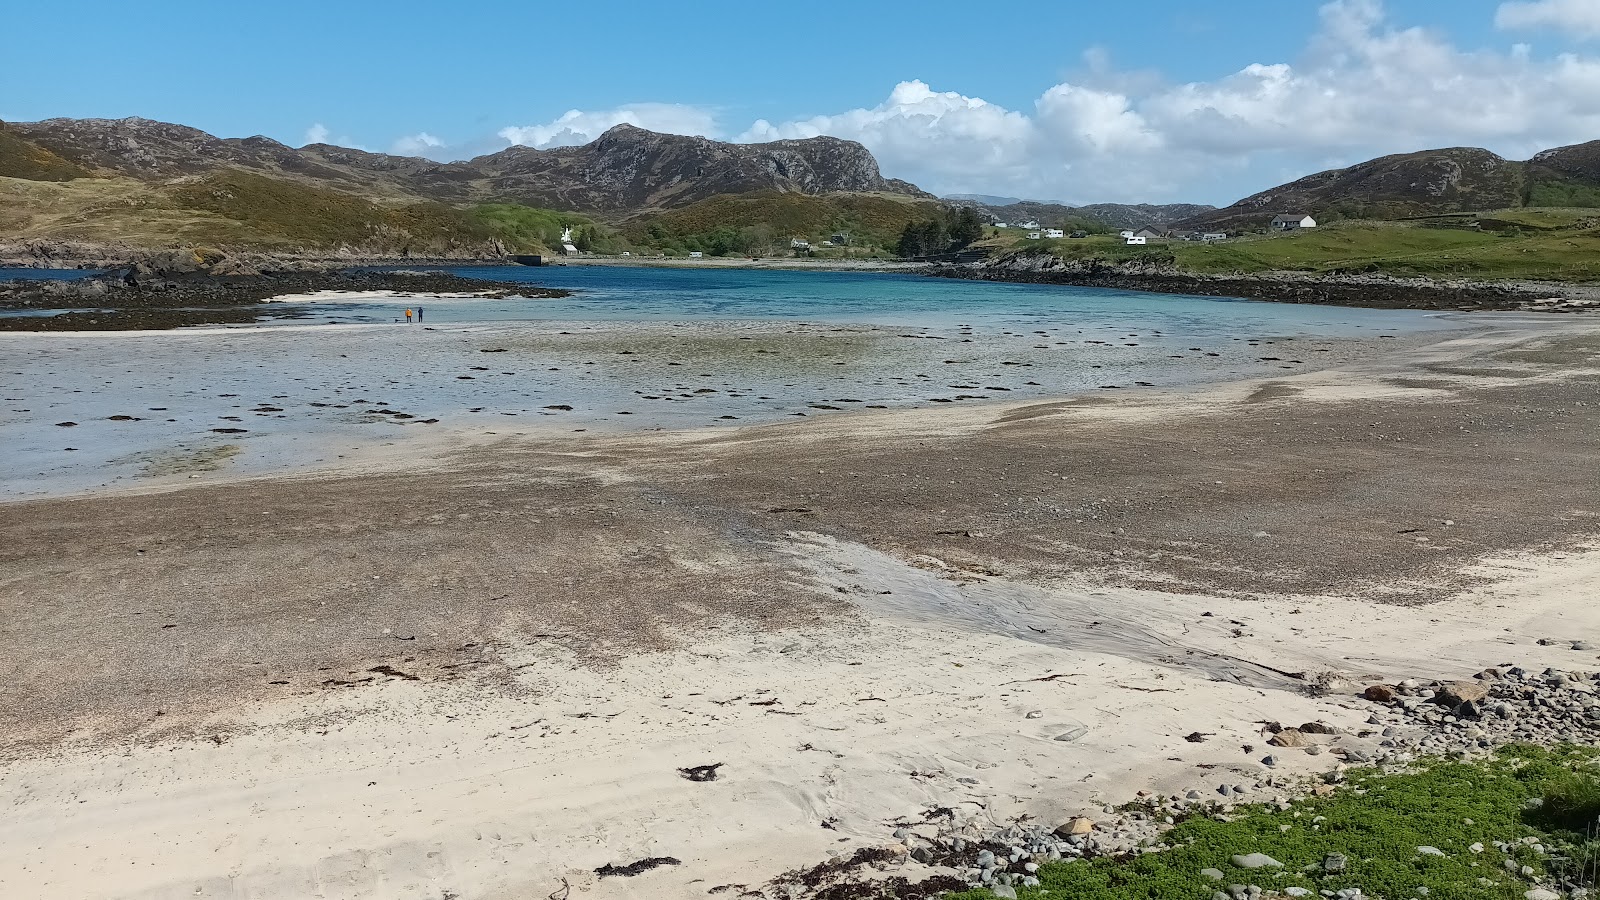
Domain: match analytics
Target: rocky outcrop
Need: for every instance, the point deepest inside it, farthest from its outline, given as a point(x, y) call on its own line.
point(625, 169)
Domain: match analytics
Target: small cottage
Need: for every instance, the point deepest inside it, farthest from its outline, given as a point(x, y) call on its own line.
point(1293, 222)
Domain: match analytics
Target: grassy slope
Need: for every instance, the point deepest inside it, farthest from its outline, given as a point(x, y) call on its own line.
point(870, 219)
point(23, 159)
point(236, 209)
point(1548, 245)
point(1378, 822)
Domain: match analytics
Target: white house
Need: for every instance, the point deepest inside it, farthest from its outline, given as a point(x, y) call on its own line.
point(1125, 234)
point(1029, 224)
point(1001, 225)
point(1137, 241)
point(1292, 222)
point(1054, 233)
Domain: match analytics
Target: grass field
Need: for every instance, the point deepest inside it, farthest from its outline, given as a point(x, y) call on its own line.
point(1542, 244)
point(1378, 822)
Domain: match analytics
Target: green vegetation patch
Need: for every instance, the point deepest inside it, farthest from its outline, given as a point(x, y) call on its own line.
point(764, 222)
point(529, 228)
point(1377, 822)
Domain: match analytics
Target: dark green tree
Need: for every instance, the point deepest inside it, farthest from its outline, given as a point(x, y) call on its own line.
point(965, 227)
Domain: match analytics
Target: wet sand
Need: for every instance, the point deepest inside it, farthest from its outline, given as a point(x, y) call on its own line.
point(480, 676)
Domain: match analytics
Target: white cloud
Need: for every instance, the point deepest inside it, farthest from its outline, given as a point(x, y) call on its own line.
point(580, 127)
point(1581, 17)
point(418, 144)
point(316, 134)
point(1362, 88)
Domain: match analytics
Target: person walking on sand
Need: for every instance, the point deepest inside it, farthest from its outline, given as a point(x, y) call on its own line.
point(408, 317)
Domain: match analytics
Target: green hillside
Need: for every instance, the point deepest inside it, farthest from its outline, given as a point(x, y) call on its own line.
point(764, 222)
point(1541, 244)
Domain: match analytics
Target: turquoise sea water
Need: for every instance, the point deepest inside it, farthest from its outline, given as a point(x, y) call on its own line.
point(615, 293)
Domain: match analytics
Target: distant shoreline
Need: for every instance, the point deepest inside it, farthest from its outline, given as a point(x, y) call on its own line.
point(1376, 292)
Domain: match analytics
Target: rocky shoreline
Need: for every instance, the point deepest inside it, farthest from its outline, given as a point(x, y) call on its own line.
point(183, 288)
point(1372, 291)
point(1408, 721)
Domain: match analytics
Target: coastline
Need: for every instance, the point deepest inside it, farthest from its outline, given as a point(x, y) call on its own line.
point(1368, 291)
point(856, 616)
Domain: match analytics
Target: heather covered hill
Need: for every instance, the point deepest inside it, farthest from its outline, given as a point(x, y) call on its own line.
point(1426, 183)
point(627, 169)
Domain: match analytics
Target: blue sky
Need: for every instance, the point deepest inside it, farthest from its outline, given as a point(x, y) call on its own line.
point(454, 81)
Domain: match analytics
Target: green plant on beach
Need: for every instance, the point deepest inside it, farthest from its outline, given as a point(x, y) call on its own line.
point(1377, 821)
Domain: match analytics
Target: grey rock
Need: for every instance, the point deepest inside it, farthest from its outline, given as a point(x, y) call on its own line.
point(1073, 733)
point(1334, 863)
point(1004, 890)
point(1541, 894)
point(1430, 851)
point(1255, 861)
point(1213, 874)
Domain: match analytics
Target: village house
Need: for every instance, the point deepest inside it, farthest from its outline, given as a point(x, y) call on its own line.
point(1148, 233)
point(1292, 222)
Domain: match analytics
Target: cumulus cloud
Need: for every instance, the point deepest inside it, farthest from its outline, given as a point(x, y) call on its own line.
point(1362, 88)
point(419, 144)
point(317, 134)
point(1581, 17)
point(580, 127)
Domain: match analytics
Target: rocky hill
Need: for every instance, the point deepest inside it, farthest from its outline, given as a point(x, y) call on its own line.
point(1430, 182)
point(626, 169)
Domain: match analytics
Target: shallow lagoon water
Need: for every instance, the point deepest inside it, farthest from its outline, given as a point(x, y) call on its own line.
point(634, 350)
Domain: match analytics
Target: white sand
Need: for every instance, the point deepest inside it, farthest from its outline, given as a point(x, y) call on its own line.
point(403, 791)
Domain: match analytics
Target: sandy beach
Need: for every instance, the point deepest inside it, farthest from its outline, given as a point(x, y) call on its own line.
point(358, 659)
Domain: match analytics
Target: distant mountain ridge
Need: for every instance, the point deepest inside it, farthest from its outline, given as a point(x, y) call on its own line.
point(1115, 215)
point(627, 169)
point(1429, 182)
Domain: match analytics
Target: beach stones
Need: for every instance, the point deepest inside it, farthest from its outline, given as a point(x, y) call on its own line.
point(1076, 826)
point(1289, 737)
point(1455, 693)
point(1072, 733)
point(1255, 861)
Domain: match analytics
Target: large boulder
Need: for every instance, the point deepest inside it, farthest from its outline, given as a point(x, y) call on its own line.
point(1455, 693)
